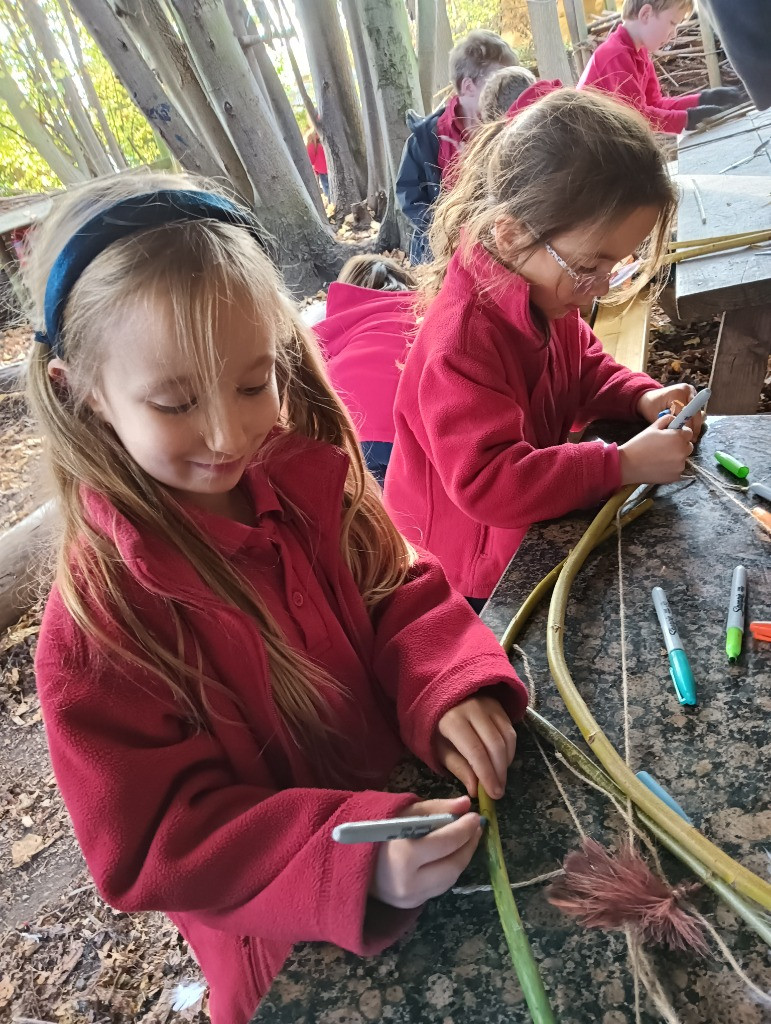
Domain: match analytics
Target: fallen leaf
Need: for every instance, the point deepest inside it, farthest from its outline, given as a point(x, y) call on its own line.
point(7, 989)
point(25, 849)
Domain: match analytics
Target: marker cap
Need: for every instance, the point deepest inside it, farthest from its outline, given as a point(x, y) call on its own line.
point(732, 465)
point(682, 677)
point(733, 643)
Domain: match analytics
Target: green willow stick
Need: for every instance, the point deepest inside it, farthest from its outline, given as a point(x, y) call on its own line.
point(757, 921)
point(697, 845)
point(526, 968)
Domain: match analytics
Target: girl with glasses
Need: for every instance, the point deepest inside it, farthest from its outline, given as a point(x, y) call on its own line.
point(503, 366)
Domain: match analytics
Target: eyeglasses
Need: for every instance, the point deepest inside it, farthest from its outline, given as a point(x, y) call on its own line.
point(582, 283)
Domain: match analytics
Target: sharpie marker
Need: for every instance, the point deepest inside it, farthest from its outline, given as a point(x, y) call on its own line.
point(385, 830)
point(679, 669)
point(735, 624)
point(759, 491)
point(695, 405)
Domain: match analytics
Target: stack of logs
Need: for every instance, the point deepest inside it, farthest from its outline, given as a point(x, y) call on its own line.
point(682, 66)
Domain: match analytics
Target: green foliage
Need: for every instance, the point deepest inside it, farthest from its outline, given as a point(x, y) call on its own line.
point(21, 167)
point(466, 15)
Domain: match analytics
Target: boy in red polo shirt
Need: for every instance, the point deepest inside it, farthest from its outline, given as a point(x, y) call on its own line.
point(622, 66)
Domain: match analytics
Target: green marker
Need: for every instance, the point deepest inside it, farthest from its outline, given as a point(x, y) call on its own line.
point(735, 625)
point(732, 465)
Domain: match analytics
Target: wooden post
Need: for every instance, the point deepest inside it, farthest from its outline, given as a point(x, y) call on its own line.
point(549, 49)
point(20, 550)
point(741, 361)
point(576, 19)
point(709, 43)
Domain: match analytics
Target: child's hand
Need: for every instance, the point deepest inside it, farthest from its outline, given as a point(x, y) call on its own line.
point(410, 871)
point(476, 743)
point(661, 399)
point(656, 455)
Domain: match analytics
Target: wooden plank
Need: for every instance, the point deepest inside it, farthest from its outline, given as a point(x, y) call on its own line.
point(755, 120)
point(741, 361)
point(710, 49)
point(710, 285)
point(715, 155)
point(624, 330)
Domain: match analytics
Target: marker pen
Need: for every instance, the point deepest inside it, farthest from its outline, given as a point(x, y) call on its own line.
point(386, 829)
point(759, 491)
point(679, 669)
point(736, 607)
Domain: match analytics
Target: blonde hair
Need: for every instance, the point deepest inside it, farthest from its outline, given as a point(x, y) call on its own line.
point(501, 90)
point(377, 272)
point(571, 159)
point(632, 8)
point(194, 265)
point(473, 55)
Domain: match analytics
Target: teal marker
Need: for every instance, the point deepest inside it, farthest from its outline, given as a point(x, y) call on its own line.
point(735, 626)
point(679, 669)
point(661, 793)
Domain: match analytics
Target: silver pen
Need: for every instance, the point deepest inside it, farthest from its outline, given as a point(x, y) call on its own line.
point(385, 830)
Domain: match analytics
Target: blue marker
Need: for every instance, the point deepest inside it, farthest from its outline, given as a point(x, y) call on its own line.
point(679, 669)
point(661, 793)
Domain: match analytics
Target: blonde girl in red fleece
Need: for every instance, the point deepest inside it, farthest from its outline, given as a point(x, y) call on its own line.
point(503, 366)
point(238, 644)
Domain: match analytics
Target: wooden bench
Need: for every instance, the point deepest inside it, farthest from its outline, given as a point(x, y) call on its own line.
point(624, 331)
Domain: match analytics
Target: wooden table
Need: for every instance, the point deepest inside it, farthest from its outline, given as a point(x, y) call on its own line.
point(735, 284)
point(714, 760)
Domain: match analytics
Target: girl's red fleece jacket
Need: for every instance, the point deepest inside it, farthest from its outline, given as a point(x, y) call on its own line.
point(228, 828)
point(364, 336)
point(483, 411)
point(618, 67)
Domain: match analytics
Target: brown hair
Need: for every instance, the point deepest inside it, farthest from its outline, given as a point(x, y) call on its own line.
point(378, 272)
point(194, 265)
point(571, 159)
point(501, 90)
point(632, 8)
point(472, 56)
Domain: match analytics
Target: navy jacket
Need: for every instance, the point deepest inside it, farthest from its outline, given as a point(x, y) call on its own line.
point(745, 32)
point(417, 185)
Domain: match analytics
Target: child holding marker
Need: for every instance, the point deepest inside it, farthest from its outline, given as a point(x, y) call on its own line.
point(503, 366)
point(238, 644)
point(622, 66)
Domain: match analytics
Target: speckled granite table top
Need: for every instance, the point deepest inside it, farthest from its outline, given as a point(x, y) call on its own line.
point(713, 759)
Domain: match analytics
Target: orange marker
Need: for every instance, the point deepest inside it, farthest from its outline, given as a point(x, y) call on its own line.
point(763, 517)
point(761, 630)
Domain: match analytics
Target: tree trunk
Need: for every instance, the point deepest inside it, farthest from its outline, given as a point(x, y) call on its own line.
point(307, 250)
point(20, 552)
point(392, 58)
point(549, 49)
point(378, 178)
point(155, 35)
point(57, 65)
point(341, 125)
point(126, 61)
point(278, 104)
point(576, 19)
point(90, 89)
point(35, 132)
point(426, 34)
point(443, 47)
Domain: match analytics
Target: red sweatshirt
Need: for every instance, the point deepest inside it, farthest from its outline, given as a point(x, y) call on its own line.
point(317, 157)
point(228, 829)
point(618, 67)
point(364, 335)
point(483, 411)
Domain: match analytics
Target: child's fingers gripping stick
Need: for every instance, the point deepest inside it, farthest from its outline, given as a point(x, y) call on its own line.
point(476, 742)
point(410, 871)
point(656, 455)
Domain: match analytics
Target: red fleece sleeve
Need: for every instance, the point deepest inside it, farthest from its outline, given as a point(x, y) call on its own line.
point(620, 76)
point(165, 823)
point(476, 435)
point(609, 391)
point(432, 652)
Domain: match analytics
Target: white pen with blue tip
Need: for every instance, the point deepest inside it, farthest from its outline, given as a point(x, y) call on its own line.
point(679, 668)
point(388, 829)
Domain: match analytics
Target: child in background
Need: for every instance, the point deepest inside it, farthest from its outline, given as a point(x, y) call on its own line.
point(503, 365)
point(501, 90)
point(238, 644)
point(437, 139)
point(370, 319)
point(318, 159)
point(622, 65)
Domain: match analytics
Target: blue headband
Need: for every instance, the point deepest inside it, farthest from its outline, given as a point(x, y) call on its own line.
point(149, 210)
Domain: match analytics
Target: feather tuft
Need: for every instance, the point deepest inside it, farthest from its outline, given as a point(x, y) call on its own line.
point(617, 892)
